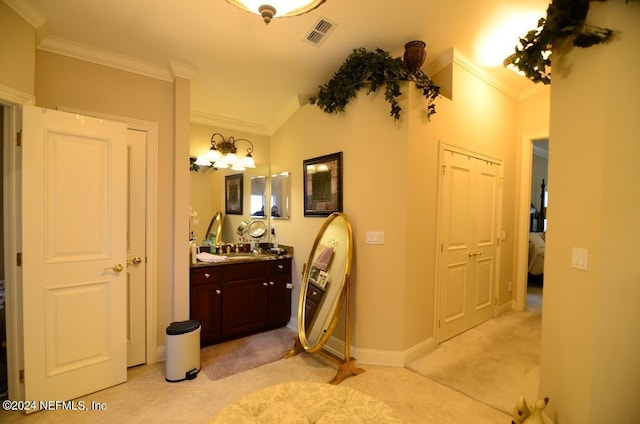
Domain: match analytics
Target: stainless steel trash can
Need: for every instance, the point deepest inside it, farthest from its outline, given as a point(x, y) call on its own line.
point(183, 351)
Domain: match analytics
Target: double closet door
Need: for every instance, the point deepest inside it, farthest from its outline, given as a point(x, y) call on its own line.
point(470, 200)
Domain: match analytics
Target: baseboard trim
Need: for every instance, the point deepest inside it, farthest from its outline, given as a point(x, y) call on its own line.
point(389, 358)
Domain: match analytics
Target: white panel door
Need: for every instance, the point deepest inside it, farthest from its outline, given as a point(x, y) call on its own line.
point(136, 251)
point(469, 203)
point(457, 242)
point(74, 251)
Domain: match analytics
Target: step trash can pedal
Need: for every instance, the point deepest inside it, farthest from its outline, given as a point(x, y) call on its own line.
point(183, 351)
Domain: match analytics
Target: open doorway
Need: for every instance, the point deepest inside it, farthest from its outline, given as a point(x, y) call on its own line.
point(537, 223)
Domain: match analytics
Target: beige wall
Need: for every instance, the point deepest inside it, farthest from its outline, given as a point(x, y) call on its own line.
point(63, 81)
point(17, 51)
point(590, 349)
point(390, 185)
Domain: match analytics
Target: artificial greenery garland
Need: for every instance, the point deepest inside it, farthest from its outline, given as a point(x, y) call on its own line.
point(374, 69)
point(565, 20)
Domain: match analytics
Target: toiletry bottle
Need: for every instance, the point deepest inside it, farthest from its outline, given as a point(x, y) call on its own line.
point(194, 251)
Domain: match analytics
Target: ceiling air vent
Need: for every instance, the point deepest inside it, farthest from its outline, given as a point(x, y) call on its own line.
point(319, 32)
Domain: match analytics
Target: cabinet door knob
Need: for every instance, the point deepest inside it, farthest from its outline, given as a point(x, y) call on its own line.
point(314, 293)
point(207, 275)
point(265, 284)
point(218, 291)
point(280, 266)
point(271, 283)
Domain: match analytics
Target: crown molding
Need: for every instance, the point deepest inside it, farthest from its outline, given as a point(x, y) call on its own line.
point(26, 12)
point(296, 103)
point(182, 70)
point(467, 64)
point(13, 96)
point(102, 57)
point(532, 91)
point(212, 120)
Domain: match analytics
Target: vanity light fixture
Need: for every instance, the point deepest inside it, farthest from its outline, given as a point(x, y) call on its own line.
point(223, 154)
point(270, 9)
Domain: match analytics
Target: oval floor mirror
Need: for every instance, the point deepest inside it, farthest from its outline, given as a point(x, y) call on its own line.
point(325, 291)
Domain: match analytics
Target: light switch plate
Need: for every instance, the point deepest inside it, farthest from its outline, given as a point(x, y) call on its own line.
point(580, 258)
point(374, 237)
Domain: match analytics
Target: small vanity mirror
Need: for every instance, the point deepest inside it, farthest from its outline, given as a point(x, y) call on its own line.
point(213, 235)
point(258, 199)
point(280, 196)
point(325, 291)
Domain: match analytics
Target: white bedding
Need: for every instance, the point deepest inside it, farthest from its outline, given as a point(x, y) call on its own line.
point(536, 253)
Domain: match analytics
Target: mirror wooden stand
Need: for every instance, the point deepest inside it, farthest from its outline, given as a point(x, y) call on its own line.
point(325, 291)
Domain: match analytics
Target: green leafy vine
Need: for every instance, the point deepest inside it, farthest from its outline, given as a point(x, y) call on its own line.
point(373, 69)
point(565, 19)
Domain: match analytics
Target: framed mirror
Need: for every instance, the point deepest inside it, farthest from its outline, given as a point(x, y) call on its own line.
point(325, 291)
point(213, 235)
point(280, 196)
point(323, 281)
point(258, 196)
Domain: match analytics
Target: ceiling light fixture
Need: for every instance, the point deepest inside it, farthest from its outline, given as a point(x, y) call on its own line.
point(223, 154)
point(276, 8)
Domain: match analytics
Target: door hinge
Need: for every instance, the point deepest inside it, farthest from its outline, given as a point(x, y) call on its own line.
point(21, 376)
point(500, 182)
point(19, 259)
point(19, 138)
point(495, 301)
point(441, 247)
point(444, 167)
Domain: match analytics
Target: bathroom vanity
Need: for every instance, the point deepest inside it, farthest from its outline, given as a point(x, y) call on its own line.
point(242, 295)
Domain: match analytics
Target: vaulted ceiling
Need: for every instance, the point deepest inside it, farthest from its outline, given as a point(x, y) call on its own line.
point(246, 73)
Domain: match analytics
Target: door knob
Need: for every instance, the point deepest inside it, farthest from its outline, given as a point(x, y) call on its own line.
point(135, 261)
point(115, 268)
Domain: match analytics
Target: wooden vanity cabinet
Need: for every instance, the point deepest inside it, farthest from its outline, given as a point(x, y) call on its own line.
point(279, 304)
point(244, 306)
point(236, 299)
point(206, 302)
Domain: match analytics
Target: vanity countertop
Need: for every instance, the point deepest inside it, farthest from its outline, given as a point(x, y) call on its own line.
point(235, 258)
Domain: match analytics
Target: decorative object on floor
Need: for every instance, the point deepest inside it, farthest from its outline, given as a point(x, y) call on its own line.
point(270, 9)
point(373, 69)
point(225, 359)
point(325, 290)
point(524, 414)
point(565, 20)
point(492, 363)
point(306, 402)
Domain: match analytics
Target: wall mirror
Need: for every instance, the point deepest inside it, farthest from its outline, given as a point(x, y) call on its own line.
point(258, 197)
point(280, 196)
point(325, 291)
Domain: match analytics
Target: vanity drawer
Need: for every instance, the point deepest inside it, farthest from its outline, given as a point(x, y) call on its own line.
point(244, 271)
point(205, 275)
point(280, 266)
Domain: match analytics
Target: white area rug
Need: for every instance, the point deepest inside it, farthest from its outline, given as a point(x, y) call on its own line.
point(306, 403)
point(494, 363)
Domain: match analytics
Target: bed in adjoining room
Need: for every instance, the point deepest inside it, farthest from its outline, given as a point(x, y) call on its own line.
point(537, 227)
point(536, 257)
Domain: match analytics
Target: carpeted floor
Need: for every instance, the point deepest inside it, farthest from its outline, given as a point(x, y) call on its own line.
point(494, 363)
point(235, 356)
